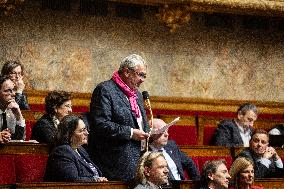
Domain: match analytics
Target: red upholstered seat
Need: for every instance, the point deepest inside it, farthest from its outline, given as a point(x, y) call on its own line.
point(186, 176)
point(41, 108)
point(30, 167)
point(183, 135)
point(7, 169)
point(208, 134)
point(203, 159)
point(29, 127)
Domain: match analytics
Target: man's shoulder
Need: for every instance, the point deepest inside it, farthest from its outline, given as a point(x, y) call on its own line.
point(171, 143)
point(107, 83)
point(227, 122)
point(246, 153)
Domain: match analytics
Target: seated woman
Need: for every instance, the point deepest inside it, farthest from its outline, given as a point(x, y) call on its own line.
point(15, 71)
point(69, 161)
point(242, 174)
point(57, 105)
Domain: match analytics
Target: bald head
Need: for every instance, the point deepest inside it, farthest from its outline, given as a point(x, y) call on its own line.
point(157, 123)
point(162, 140)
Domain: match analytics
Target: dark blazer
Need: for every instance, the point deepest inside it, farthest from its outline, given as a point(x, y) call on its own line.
point(44, 130)
point(182, 161)
point(227, 134)
point(260, 170)
point(110, 145)
point(17, 132)
point(65, 165)
point(22, 101)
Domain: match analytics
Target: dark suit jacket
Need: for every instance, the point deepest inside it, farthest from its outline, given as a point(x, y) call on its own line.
point(182, 161)
point(65, 165)
point(227, 134)
point(17, 132)
point(204, 187)
point(44, 130)
point(22, 101)
point(110, 145)
point(260, 170)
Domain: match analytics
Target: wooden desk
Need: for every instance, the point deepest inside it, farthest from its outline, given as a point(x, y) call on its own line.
point(193, 151)
point(75, 185)
point(17, 148)
point(272, 183)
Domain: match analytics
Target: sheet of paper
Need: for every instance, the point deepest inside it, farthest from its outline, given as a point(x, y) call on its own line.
point(163, 129)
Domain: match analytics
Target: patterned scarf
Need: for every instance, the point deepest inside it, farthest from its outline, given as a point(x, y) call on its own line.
point(131, 94)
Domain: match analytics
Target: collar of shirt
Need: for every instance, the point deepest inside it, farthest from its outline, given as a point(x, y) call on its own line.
point(242, 130)
point(153, 185)
point(1, 111)
point(156, 149)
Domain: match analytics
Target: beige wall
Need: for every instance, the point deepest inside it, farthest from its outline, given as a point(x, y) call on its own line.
point(72, 52)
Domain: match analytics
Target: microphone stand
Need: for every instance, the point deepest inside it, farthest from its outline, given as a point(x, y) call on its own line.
point(148, 106)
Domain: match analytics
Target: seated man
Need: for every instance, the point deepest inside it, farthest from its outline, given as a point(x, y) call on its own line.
point(215, 175)
point(267, 163)
point(177, 160)
point(236, 132)
point(152, 171)
point(11, 118)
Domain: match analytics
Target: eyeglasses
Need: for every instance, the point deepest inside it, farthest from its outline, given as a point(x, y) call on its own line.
point(141, 74)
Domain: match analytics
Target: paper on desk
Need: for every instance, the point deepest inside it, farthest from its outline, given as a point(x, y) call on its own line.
point(163, 129)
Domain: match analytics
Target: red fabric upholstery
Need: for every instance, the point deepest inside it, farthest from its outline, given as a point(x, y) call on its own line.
point(41, 108)
point(203, 159)
point(183, 135)
point(7, 169)
point(30, 167)
point(29, 126)
point(208, 134)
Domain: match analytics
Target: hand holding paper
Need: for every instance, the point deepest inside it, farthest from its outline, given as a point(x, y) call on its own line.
point(163, 129)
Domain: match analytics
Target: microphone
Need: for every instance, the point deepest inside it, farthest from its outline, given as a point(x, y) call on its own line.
point(147, 103)
point(146, 98)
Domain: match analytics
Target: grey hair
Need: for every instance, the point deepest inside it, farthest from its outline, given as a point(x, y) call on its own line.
point(210, 167)
point(131, 62)
point(244, 108)
point(146, 161)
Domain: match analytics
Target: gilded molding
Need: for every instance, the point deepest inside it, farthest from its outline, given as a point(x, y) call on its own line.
point(174, 103)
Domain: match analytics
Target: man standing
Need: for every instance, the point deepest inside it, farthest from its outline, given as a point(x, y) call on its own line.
point(152, 171)
point(11, 118)
point(118, 121)
point(215, 175)
point(267, 163)
point(236, 132)
point(177, 160)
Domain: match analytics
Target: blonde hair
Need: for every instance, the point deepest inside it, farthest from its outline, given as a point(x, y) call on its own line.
point(237, 167)
point(146, 161)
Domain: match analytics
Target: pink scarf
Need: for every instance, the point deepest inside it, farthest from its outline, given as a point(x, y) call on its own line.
point(131, 94)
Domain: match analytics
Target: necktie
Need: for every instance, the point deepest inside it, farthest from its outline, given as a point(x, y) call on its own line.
point(4, 126)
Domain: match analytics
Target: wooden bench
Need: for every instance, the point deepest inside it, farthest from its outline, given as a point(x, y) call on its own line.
point(201, 154)
point(266, 183)
point(75, 185)
point(22, 162)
